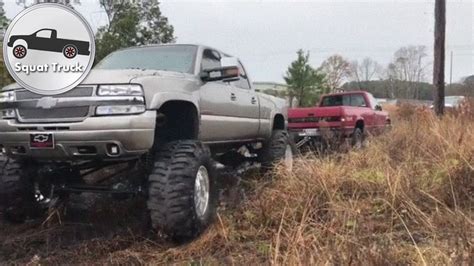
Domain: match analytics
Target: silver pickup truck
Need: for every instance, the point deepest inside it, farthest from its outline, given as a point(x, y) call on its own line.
point(169, 113)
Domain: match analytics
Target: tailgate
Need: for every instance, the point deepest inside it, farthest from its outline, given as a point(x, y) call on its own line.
point(313, 117)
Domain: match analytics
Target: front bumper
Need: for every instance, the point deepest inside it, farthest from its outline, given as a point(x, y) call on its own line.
point(85, 140)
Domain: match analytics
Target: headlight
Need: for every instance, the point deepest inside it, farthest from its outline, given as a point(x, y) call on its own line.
point(7, 113)
point(120, 90)
point(120, 110)
point(8, 96)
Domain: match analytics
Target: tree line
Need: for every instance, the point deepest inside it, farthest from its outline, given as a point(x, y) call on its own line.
point(405, 77)
point(132, 23)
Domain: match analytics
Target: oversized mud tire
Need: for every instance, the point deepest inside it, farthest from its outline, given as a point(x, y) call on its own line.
point(279, 147)
point(17, 200)
point(182, 190)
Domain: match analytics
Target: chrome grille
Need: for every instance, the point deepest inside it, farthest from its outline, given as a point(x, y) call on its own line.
point(55, 113)
point(60, 114)
point(76, 92)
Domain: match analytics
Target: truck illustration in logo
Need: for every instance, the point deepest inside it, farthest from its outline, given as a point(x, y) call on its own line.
point(35, 41)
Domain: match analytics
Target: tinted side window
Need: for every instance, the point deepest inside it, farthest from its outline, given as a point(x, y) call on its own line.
point(210, 59)
point(358, 100)
point(243, 82)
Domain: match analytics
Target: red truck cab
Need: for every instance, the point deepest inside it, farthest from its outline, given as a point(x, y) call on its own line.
point(338, 116)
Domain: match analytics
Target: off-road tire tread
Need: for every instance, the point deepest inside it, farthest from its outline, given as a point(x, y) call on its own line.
point(274, 149)
point(15, 194)
point(171, 189)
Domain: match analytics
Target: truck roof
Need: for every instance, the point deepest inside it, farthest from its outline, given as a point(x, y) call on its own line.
point(202, 46)
point(346, 93)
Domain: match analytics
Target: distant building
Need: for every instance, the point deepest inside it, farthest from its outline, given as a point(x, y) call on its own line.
point(271, 86)
point(275, 89)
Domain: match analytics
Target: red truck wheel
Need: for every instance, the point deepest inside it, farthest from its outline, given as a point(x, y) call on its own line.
point(70, 51)
point(358, 139)
point(19, 51)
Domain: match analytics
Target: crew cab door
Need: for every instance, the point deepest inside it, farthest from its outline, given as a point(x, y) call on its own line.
point(215, 100)
point(245, 105)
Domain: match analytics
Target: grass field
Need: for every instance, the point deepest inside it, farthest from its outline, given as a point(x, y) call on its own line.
point(408, 198)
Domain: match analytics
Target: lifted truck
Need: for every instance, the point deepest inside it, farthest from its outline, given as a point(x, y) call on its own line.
point(339, 116)
point(167, 116)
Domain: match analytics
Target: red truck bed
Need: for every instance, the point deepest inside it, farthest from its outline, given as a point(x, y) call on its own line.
point(341, 114)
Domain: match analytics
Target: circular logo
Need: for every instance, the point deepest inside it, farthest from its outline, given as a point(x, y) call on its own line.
point(49, 49)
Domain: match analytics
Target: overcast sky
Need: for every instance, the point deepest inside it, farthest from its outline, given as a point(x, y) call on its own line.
point(267, 34)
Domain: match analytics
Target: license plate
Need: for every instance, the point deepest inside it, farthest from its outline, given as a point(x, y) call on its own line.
point(310, 132)
point(42, 141)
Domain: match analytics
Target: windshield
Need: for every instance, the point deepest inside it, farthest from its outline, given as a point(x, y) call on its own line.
point(170, 58)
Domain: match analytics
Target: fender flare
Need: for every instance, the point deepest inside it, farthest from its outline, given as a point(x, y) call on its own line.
point(161, 98)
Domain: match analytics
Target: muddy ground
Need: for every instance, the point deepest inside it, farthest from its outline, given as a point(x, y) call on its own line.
point(92, 228)
point(95, 219)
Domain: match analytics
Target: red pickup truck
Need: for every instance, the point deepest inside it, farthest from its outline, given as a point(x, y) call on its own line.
point(339, 116)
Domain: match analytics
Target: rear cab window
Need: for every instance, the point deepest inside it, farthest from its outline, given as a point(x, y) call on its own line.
point(357, 100)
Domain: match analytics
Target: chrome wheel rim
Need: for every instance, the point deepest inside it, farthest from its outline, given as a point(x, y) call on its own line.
point(201, 191)
point(288, 158)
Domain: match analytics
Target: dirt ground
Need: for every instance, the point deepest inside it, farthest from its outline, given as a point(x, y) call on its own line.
point(91, 229)
point(101, 225)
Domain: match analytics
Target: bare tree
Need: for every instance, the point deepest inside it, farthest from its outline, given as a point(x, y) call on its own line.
point(336, 69)
point(366, 70)
point(439, 56)
point(110, 8)
point(410, 67)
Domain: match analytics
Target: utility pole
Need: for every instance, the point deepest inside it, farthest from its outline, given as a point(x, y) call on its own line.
point(439, 56)
point(451, 70)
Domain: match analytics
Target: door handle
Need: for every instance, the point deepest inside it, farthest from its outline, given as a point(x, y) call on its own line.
point(254, 100)
point(233, 97)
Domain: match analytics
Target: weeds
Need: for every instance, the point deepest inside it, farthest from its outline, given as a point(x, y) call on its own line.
point(405, 199)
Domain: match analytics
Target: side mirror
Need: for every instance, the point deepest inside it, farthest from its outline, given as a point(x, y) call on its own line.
point(378, 107)
point(227, 73)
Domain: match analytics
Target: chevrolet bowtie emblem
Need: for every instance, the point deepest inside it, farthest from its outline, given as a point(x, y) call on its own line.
point(41, 138)
point(46, 102)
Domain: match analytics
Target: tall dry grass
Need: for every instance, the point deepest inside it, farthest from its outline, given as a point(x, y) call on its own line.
point(405, 199)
